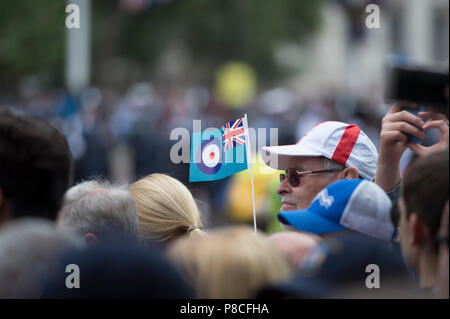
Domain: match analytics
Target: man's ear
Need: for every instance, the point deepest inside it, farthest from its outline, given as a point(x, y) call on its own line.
point(91, 238)
point(350, 173)
point(417, 230)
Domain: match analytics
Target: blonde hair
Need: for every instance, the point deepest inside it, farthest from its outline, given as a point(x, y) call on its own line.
point(233, 262)
point(165, 209)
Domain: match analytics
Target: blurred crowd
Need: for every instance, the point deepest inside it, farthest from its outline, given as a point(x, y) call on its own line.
point(347, 195)
point(124, 135)
point(87, 191)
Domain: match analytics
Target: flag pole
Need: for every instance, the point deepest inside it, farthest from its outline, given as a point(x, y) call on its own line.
point(249, 161)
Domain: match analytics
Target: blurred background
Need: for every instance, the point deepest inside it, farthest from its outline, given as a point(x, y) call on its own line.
point(137, 69)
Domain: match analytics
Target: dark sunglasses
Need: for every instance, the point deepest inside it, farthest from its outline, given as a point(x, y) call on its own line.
point(293, 175)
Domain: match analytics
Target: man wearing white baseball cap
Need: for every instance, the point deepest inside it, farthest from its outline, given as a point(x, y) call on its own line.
point(351, 205)
point(331, 151)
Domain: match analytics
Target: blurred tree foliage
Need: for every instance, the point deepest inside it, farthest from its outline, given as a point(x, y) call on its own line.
point(216, 31)
point(31, 39)
point(213, 31)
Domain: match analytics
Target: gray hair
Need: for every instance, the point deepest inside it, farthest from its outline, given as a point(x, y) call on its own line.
point(330, 164)
point(99, 208)
point(30, 250)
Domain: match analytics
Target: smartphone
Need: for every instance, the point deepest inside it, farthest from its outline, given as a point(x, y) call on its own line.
point(412, 138)
point(418, 85)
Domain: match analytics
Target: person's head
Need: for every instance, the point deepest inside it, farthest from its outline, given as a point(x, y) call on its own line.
point(329, 152)
point(293, 245)
point(233, 262)
point(35, 166)
point(97, 209)
point(424, 194)
point(30, 248)
point(353, 205)
point(165, 208)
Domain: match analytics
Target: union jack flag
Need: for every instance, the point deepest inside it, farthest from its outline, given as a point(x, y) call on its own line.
point(233, 132)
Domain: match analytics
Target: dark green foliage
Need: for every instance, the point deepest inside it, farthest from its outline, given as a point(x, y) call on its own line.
point(214, 31)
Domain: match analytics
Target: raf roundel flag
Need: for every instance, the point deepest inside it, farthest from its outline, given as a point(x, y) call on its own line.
point(219, 153)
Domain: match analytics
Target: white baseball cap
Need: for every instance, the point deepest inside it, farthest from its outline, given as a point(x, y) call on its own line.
point(343, 143)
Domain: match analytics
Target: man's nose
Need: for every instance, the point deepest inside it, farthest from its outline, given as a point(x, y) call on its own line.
point(284, 187)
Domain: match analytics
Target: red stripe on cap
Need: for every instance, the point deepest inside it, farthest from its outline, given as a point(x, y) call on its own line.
point(346, 144)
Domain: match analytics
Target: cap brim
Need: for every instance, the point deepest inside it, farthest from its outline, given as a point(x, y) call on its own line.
point(277, 157)
point(307, 221)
